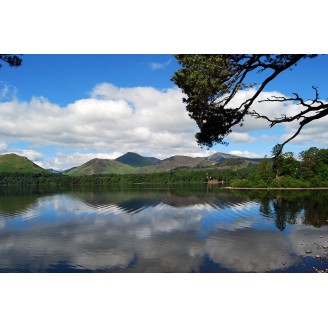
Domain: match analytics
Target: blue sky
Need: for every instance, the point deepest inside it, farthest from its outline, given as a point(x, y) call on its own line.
point(63, 110)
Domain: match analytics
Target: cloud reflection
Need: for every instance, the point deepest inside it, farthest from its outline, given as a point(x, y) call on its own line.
point(93, 233)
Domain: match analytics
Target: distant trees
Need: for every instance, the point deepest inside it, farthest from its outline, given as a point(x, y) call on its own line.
point(284, 170)
point(314, 163)
point(211, 83)
point(172, 177)
point(284, 163)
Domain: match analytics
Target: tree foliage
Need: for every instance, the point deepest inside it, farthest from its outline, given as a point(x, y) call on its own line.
point(211, 82)
point(11, 60)
point(284, 170)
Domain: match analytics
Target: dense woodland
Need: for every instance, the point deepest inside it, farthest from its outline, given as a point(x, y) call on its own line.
point(284, 170)
point(173, 177)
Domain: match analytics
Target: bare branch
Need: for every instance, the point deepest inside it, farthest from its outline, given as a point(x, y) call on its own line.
point(315, 106)
point(211, 83)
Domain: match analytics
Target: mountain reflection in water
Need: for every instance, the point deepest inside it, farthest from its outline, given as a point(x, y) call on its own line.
point(163, 230)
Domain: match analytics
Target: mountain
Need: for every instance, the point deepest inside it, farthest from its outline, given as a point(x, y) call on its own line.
point(178, 162)
point(12, 163)
point(53, 171)
point(220, 157)
point(130, 163)
point(101, 166)
point(135, 163)
point(137, 160)
point(72, 168)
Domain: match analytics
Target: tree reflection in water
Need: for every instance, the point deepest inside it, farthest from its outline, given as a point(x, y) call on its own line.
point(161, 230)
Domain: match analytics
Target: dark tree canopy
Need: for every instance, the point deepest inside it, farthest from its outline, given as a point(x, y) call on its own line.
point(11, 60)
point(210, 83)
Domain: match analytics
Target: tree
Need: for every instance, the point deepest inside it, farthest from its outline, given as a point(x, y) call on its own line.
point(290, 166)
point(11, 60)
point(265, 170)
point(309, 163)
point(277, 160)
point(211, 82)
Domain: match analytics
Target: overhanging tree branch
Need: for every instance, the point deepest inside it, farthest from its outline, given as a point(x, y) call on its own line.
point(315, 107)
point(211, 83)
point(11, 60)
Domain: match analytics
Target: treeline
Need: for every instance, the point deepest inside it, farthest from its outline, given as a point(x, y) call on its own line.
point(173, 177)
point(283, 171)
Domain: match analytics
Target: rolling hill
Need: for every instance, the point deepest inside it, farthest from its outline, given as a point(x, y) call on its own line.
point(135, 163)
point(12, 163)
point(178, 162)
point(221, 157)
point(101, 166)
point(130, 163)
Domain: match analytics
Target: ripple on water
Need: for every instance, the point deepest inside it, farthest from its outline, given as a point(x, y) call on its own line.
point(234, 216)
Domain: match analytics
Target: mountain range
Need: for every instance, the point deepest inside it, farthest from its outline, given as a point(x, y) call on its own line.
point(130, 163)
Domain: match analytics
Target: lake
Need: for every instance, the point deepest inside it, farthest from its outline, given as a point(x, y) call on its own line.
point(163, 229)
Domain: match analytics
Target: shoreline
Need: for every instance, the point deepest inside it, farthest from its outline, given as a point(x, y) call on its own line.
point(277, 188)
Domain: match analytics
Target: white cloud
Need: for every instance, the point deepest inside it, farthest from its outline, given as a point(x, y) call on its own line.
point(7, 92)
point(140, 119)
point(270, 109)
point(155, 66)
point(4, 90)
point(239, 137)
point(313, 133)
point(116, 120)
point(30, 154)
point(245, 153)
point(3, 147)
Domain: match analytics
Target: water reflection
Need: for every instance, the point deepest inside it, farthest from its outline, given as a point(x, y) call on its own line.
point(289, 207)
point(164, 230)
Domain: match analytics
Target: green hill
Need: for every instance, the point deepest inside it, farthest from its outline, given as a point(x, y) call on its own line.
point(222, 157)
point(101, 166)
point(12, 163)
point(141, 164)
point(178, 162)
point(137, 160)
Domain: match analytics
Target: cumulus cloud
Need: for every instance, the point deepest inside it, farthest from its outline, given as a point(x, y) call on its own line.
point(113, 119)
point(30, 154)
point(246, 153)
point(270, 109)
point(315, 132)
point(239, 137)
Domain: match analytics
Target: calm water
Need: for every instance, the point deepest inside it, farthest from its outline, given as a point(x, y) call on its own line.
point(204, 229)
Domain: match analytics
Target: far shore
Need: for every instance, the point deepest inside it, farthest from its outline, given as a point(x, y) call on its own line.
point(276, 188)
